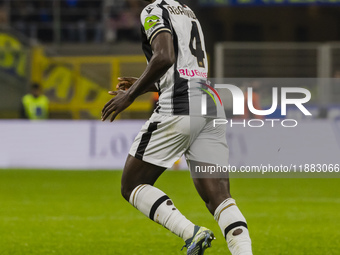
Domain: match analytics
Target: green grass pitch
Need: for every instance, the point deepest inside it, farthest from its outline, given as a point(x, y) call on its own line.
point(82, 212)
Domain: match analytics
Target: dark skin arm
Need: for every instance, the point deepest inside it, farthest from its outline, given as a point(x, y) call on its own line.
point(161, 61)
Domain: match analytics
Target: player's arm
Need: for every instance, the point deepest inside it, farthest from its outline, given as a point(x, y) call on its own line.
point(163, 58)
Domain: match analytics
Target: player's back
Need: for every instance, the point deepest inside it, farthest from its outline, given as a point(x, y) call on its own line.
point(191, 48)
point(191, 61)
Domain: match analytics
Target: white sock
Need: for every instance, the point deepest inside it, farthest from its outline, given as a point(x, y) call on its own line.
point(231, 221)
point(156, 205)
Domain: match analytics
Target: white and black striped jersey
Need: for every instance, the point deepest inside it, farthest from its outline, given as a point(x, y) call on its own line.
point(191, 58)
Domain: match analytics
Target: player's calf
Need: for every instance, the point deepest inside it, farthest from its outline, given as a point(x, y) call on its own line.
point(156, 205)
point(234, 227)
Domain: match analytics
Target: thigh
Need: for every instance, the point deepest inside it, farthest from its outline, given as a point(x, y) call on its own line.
point(138, 172)
point(209, 154)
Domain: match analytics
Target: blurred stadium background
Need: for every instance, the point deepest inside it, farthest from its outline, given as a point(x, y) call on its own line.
point(76, 49)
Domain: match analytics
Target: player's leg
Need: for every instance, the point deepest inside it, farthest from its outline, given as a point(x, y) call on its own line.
point(213, 191)
point(137, 172)
point(216, 195)
point(210, 146)
point(137, 188)
point(161, 142)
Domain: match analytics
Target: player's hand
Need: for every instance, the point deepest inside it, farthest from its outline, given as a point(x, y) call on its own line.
point(125, 83)
point(116, 105)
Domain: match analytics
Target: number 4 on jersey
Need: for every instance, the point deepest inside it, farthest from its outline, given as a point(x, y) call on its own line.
point(198, 51)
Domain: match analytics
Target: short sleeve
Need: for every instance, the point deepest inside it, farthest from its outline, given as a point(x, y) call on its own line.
point(154, 21)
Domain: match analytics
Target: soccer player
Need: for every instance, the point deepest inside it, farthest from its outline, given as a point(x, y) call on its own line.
point(174, 47)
